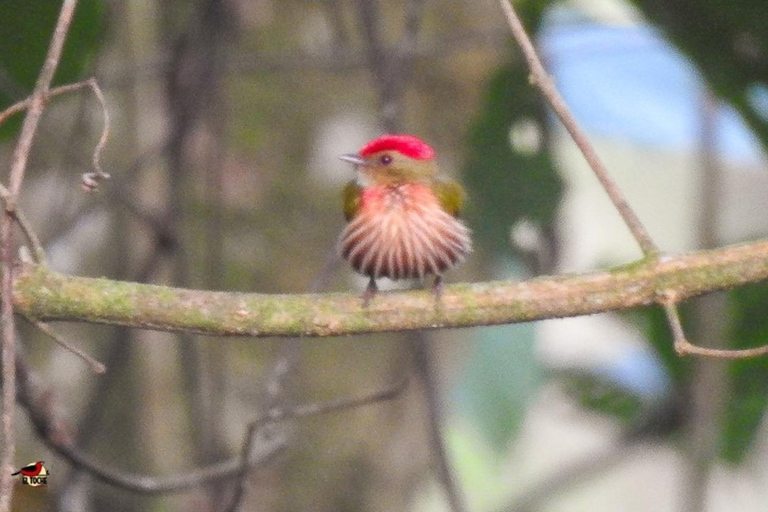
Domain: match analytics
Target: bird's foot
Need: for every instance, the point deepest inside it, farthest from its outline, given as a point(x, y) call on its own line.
point(437, 289)
point(370, 292)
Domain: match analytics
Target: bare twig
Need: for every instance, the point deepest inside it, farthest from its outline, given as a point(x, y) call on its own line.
point(342, 404)
point(683, 347)
point(541, 79)
point(21, 106)
point(260, 432)
point(302, 411)
point(54, 433)
point(38, 254)
point(91, 179)
point(18, 167)
point(94, 365)
point(37, 102)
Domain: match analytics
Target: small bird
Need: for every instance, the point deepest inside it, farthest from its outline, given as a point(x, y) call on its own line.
point(402, 217)
point(31, 470)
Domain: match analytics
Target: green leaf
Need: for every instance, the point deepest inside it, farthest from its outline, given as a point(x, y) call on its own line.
point(734, 63)
point(748, 394)
point(24, 41)
point(508, 184)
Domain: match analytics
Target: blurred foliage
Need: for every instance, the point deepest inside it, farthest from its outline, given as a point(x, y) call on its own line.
point(500, 381)
point(748, 393)
point(24, 41)
point(513, 182)
point(603, 395)
point(728, 41)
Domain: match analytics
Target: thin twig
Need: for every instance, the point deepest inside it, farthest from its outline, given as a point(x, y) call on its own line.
point(301, 411)
point(37, 102)
point(262, 432)
point(24, 104)
point(91, 179)
point(54, 433)
point(18, 168)
point(342, 404)
point(673, 318)
point(95, 366)
point(683, 347)
point(38, 254)
point(541, 79)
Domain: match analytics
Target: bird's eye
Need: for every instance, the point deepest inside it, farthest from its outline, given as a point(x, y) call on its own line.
point(385, 159)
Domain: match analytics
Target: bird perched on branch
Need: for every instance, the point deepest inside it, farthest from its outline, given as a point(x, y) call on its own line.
point(402, 217)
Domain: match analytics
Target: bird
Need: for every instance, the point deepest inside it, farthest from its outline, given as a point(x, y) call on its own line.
point(30, 470)
point(402, 216)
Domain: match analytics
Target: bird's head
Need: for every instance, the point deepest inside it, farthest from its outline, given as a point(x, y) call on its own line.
point(394, 158)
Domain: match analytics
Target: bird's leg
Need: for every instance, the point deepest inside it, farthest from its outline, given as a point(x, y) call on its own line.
point(370, 292)
point(437, 288)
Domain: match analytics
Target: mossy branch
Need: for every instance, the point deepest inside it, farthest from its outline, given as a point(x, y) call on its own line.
point(45, 295)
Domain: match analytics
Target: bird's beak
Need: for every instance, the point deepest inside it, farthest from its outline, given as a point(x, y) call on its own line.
point(353, 159)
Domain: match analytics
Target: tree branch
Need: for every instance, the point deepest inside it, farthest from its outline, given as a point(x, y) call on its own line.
point(45, 295)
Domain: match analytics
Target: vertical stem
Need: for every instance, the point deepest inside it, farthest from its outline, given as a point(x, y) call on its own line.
point(8, 364)
point(7, 324)
point(709, 384)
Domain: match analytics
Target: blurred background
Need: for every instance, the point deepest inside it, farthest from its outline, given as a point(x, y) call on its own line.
point(227, 120)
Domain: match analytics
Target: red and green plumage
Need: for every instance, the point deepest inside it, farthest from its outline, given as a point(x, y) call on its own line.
point(402, 217)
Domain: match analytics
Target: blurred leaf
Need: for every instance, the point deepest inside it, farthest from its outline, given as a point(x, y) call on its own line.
point(602, 395)
point(734, 61)
point(657, 331)
point(507, 183)
point(500, 381)
point(748, 394)
point(24, 40)
point(502, 376)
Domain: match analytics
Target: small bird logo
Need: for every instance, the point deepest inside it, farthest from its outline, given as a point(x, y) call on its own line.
point(31, 470)
point(34, 475)
point(403, 218)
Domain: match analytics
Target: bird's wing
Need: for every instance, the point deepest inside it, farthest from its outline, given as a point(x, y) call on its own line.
point(351, 195)
point(451, 196)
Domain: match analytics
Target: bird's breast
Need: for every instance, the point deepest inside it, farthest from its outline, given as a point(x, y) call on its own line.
point(402, 232)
